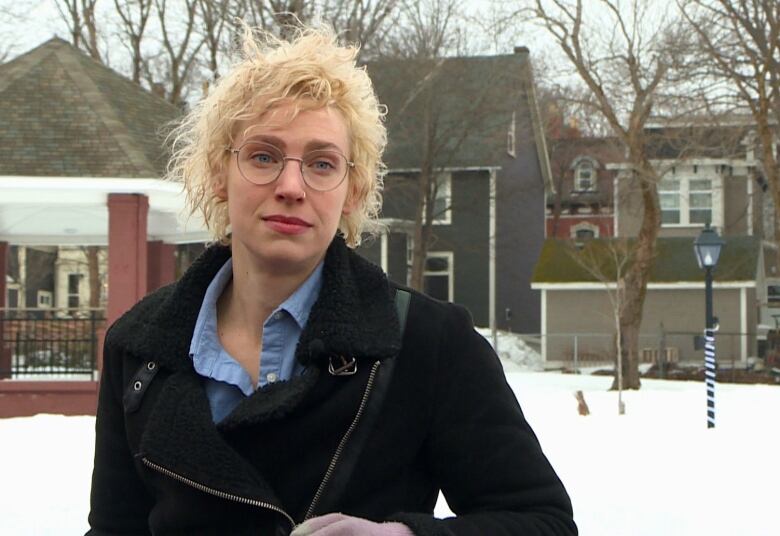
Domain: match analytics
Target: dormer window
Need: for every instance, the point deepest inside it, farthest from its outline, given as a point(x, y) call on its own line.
point(585, 176)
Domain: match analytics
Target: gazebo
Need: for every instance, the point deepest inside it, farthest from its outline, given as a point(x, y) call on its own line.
point(82, 154)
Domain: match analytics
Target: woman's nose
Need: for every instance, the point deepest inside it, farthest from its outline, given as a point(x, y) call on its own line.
point(290, 184)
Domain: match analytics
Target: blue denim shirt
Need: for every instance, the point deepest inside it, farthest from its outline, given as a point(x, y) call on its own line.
point(226, 381)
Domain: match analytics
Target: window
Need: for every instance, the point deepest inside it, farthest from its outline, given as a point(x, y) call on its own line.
point(773, 292)
point(510, 137)
point(437, 277)
point(442, 205)
point(74, 282)
point(669, 199)
point(584, 231)
point(585, 176)
point(12, 297)
point(700, 201)
point(44, 299)
point(685, 201)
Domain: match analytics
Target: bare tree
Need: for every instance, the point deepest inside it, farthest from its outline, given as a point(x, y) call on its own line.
point(214, 25)
point(367, 22)
point(417, 56)
point(607, 261)
point(741, 41)
point(625, 73)
point(134, 16)
point(82, 25)
point(180, 48)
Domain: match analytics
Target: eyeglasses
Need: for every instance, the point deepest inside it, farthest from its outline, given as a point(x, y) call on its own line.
point(261, 163)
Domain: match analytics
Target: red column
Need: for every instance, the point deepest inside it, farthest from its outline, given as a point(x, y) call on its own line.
point(5, 349)
point(126, 252)
point(161, 264)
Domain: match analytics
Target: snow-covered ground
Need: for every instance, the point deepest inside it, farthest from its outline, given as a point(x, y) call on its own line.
point(655, 471)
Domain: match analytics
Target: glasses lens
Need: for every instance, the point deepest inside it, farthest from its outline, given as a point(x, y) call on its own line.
point(260, 163)
point(324, 170)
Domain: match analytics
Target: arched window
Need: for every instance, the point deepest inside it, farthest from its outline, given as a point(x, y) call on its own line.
point(585, 176)
point(584, 230)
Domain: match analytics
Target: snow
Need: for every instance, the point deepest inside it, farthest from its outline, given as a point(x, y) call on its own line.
point(657, 470)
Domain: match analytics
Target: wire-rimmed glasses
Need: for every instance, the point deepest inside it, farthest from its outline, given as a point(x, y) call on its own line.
point(261, 163)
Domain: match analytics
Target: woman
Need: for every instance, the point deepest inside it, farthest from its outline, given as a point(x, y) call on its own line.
point(283, 385)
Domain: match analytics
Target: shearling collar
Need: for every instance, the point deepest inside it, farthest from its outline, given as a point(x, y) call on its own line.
point(354, 315)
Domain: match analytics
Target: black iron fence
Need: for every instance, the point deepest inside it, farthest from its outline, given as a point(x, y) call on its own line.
point(38, 343)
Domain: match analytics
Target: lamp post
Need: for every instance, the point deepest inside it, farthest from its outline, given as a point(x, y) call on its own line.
point(707, 247)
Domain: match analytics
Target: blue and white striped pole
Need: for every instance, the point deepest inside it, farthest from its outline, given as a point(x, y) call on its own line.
point(709, 350)
point(709, 375)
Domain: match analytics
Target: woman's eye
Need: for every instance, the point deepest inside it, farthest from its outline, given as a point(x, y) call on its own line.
point(263, 158)
point(322, 164)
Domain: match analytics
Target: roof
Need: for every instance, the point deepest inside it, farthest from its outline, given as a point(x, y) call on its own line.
point(674, 262)
point(64, 114)
point(470, 101)
point(700, 141)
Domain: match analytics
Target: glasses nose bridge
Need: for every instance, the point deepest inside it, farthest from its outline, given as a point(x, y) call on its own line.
point(285, 158)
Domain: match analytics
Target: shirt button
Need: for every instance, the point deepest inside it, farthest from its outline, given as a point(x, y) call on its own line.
point(278, 315)
point(271, 377)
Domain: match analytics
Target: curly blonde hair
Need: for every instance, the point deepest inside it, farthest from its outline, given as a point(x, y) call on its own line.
point(311, 70)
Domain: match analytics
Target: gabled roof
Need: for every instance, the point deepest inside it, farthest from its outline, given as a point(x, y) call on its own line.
point(674, 262)
point(471, 99)
point(63, 114)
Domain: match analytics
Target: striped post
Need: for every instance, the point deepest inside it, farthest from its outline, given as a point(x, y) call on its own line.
point(709, 372)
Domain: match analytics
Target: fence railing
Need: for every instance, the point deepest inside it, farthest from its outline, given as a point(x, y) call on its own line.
point(47, 343)
point(586, 350)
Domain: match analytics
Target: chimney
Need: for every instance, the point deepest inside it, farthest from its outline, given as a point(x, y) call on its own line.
point(158, 89)
point(521, 50)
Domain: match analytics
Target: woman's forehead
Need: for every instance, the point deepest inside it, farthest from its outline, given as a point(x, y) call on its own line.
point(317, 122)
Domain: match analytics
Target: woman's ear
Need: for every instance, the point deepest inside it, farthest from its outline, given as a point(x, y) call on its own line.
point(219, 185)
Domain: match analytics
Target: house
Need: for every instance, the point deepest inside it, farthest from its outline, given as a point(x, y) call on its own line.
point(474, 122)
point(707, 174)
point(581, 205)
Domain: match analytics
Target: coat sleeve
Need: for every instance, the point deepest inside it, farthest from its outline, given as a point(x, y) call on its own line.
point(119, 502)
point(482, 451)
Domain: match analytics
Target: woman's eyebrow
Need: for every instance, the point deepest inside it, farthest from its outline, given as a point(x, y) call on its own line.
point(267, 138)
point(311, 145)
point(316, 145)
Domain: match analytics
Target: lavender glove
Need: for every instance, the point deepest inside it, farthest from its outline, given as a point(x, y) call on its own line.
point(341, 525)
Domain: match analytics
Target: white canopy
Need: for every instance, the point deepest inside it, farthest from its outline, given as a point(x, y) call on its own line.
point(73, 210)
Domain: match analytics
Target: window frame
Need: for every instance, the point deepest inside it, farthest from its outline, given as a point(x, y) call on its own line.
point(444, 184)
point(592, 180)
point(450, 272)
point(44, 299)
point(583, 226)
point(684, 197)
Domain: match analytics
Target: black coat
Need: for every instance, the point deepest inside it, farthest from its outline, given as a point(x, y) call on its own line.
point(435, 413)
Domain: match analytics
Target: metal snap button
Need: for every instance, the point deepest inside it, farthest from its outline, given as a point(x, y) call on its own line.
point(137, 386)
point(151, 365)
point(271, 377)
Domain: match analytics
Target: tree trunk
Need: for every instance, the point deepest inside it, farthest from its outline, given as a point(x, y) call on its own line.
point(638, 273)
point(422, 230)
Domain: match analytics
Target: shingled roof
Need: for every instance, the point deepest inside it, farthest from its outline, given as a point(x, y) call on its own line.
point(674, 261)
point(470, 98)
point(63, 114)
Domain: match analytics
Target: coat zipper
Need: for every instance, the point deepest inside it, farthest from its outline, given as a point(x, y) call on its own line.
point(343, 442)
point(221, 494)
point(260, 504)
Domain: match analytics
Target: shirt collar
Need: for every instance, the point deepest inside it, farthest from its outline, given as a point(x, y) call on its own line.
point(207, 317)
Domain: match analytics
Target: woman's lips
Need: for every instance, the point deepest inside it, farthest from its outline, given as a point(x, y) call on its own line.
point(287, 224)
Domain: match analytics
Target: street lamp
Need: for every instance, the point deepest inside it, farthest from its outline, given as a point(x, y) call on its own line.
point(707, 247)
